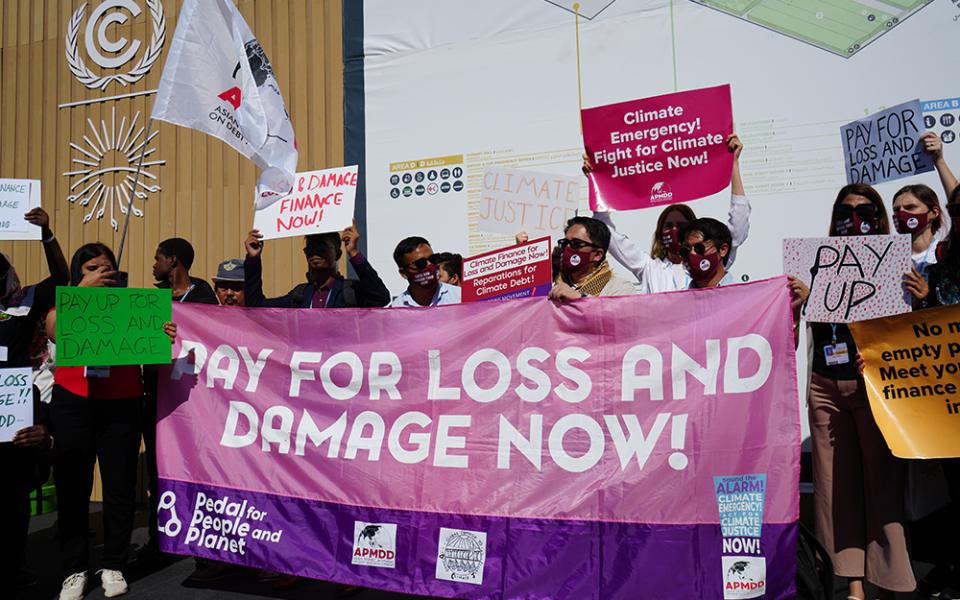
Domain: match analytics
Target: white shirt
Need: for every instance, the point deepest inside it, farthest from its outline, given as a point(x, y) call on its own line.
point(727, 279)
point(659, 274)
point(445, 294)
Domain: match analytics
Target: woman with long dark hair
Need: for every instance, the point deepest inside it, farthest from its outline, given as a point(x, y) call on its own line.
point(96, 417)
point(858, 484)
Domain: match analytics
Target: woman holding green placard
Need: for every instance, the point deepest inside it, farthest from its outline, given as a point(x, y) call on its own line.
point(96, 416)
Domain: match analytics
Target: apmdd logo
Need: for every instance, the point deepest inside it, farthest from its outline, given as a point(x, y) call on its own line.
point(374, 544)
point(661, 192)
point(744, 577)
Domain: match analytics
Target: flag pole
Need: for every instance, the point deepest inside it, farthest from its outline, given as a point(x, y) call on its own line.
point(133, 193)
point(576, 20)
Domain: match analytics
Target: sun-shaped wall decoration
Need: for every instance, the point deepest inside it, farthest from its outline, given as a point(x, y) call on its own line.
point(109, 161)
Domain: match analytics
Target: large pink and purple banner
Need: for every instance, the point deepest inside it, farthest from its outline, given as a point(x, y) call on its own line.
point(658, 151)
point(638, 446)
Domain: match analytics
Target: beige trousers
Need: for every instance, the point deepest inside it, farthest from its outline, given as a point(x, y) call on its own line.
point(858, 487)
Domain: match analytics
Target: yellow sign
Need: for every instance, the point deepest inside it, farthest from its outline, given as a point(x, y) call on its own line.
point(424, 163)
point(913, 376)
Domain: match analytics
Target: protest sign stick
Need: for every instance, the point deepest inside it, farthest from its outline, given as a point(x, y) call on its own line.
point(576, 21)
point(133, 194)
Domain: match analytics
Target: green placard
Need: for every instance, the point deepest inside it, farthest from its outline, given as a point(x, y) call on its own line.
point(112, 326)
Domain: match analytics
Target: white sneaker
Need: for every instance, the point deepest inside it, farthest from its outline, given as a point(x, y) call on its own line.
point(113, 583)
point(73, 587)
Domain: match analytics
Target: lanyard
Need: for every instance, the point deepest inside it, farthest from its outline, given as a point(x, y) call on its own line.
point(833, 327)
point(186, 293)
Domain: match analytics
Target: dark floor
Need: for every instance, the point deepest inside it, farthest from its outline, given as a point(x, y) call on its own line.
point(169, 583)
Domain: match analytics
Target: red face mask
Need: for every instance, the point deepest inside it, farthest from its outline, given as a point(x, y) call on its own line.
point(573, 260)
point(671, 239)
point(703, 267)
point(907, 222)
point(426, 278)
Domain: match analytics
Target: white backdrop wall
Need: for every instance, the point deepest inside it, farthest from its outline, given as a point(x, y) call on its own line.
point(471, 84)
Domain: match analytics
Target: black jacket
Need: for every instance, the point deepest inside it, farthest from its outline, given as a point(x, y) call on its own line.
point(367, 291)
point(201, 293)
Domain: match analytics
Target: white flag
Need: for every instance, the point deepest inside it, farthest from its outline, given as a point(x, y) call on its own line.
point(217, 79)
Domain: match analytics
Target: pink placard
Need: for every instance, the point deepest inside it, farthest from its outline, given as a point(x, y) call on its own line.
point(851, 278)
point(660, 150)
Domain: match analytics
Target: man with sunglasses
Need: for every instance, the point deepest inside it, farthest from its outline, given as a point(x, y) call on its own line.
point(325, 286)
point(584, 270)
point(705, 251)
point(420, 267)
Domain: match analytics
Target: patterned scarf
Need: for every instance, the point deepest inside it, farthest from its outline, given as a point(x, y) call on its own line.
point(593, 283)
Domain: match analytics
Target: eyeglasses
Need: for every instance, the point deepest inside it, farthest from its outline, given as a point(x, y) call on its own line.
point(954, 210)
point(575, 244)
point(698, 248)
point(866, 212)
point(421, 263)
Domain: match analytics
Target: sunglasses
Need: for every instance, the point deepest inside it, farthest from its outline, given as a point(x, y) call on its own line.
point(421, 263)
point(954, 210)
point(699, 248)
point(866, 212)
point(575, 244)
point(317, 250)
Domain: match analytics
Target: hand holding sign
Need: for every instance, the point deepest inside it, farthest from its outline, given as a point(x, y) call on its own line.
point(102, 326)
point(253, 243)
point(19, 203)
point(850, 278)
point(351, 239)
point(660, 150)
point(885, 146)
point(320, 202)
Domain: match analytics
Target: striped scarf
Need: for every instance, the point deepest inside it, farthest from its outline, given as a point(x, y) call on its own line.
point(593, 283)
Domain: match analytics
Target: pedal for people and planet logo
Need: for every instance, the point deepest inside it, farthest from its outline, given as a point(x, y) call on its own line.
point(222, 524)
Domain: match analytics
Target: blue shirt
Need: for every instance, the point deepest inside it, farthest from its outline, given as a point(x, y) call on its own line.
point(445, 294)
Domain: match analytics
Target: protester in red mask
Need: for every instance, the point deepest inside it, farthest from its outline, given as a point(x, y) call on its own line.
point(705, 251)
point(858, 484)
point(662, 269)
point(420, 267)
point(584, 270)
point(916, 212)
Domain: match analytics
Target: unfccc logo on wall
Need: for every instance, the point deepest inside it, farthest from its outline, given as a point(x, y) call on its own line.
point(109, 170)
point(122, 51)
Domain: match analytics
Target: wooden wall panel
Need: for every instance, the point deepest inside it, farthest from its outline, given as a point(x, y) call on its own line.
point(207, 188)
